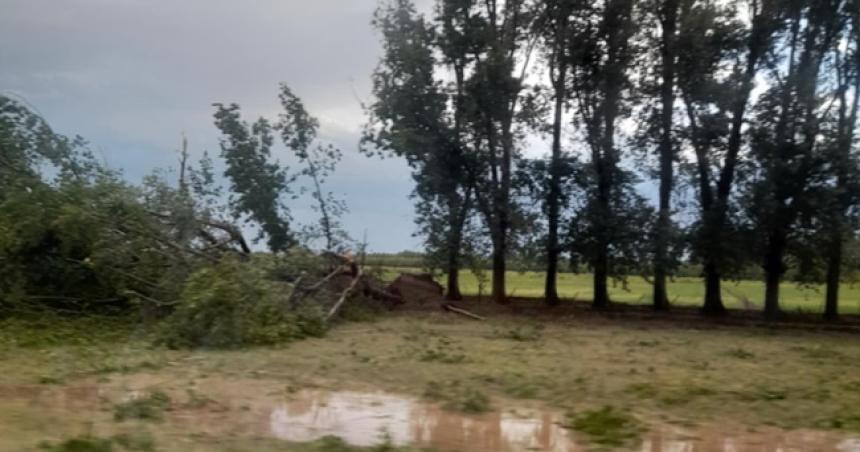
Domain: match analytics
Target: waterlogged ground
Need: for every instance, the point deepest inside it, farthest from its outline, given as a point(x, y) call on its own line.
point(435, 382)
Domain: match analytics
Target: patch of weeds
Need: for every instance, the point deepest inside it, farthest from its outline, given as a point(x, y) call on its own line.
point(522, 390)
point(140, 442)
point(521, 333)
point(50, 380)
point(437, 391)
point(843, 421)
point(686, 394)
point(740, 353)
point(642, 390)
point(360, 358)
point(441, 356)
point(644, 343)
point(337, 444)
point(104, 369)
point(197, 400)
point(52, 330)
point(473, 401)
point(515, 385)
point(80, 444)
point(853, 386)
point(606, 426)
point(458, 397)
point(818, 352)
point(766, 394)
point(815, 394)
point(150, 407)
point(443, 351)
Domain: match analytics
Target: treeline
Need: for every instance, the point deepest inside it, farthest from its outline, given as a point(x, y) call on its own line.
point(741, 114)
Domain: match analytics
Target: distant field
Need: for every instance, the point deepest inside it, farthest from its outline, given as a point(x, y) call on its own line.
point(682, 291)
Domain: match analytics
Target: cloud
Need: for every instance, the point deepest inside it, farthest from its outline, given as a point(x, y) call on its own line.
point(132, 75)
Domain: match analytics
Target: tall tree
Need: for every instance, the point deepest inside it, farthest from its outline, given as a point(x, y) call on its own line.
point(667, 14)
point(257, 183)
point(501, 53)
point(299, 133)
point(410, 118)
point(785, 136)
point(845, 168)
point(600, 77)
point(559, 37)
point(716, 102)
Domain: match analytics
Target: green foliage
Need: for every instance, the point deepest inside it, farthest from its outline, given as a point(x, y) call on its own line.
point(149, 407)
point(606, 426)
point(299, 132)
point(232, 304)
point(258, 184)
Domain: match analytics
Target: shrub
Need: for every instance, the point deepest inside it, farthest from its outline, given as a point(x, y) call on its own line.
point(233, 304)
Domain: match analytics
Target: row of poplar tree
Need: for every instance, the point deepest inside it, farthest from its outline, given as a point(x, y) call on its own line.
point(740, 113)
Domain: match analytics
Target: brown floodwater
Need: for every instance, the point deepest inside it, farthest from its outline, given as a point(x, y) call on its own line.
point(254, 408)
point(363, 418)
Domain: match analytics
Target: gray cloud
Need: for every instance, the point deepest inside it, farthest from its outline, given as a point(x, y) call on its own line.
point(131, 75)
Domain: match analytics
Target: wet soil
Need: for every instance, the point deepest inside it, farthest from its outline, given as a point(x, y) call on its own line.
point(217, 407)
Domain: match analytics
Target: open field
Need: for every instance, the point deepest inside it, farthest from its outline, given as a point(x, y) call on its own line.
point(682, 291)
point(82, 380)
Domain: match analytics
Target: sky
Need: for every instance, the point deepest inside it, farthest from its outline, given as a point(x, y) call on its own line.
point(131, 76)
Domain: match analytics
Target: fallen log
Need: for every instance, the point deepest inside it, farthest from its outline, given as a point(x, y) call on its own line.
point(458, 310)
point(346, 293)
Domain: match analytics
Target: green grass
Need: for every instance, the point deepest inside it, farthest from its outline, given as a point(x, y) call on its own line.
point(682, 291)
point(753, 377)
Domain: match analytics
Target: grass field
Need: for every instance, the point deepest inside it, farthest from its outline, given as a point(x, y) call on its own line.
point(75, 378)
point(682, 291)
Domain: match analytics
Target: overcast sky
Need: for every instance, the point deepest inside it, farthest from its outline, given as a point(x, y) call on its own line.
point(132, 75)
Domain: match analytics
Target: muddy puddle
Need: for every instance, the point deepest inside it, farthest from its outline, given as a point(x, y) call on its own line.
point(258, 409)
point(362, 419)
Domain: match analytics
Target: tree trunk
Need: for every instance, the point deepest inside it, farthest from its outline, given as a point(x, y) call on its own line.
point(601, 277)
point(458, 211)
point(553, 199)
point(773, 269)
point(453, 292)
point(713, 294)
point(453, 264)
point(499, 295)
point(834, 269)
point(667, 154)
